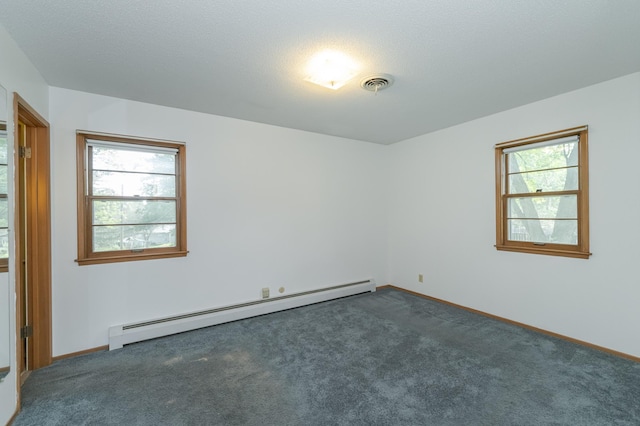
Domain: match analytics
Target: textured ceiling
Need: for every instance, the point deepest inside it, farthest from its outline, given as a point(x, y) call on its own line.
point(452, 60)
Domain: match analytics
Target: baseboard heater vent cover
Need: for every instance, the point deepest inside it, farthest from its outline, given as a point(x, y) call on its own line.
point(121, 335)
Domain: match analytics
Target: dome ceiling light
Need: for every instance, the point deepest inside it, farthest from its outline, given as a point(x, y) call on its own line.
point(331, 69)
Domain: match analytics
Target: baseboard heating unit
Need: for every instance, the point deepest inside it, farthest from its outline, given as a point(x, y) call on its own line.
point(130, 333)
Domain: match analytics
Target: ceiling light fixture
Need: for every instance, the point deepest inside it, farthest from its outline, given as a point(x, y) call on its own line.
point(377, 82)
point(331, 69)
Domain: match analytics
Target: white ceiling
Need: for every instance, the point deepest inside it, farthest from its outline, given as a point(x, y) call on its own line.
point(452, 60)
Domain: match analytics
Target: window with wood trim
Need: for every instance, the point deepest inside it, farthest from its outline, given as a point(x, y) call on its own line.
point(542, 194)
point(4, 210)
point(131, 198)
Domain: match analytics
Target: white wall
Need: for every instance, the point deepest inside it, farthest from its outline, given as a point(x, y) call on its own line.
point(442, 220)
point(267, 207)
point(17, 74)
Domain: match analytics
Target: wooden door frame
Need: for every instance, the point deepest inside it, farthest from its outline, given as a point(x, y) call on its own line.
point(38, 222)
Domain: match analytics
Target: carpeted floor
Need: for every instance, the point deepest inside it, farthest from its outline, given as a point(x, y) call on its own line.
point(383, 358)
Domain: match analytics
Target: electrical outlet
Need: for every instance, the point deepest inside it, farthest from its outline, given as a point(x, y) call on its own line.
point(265, 293)
point(420, 278)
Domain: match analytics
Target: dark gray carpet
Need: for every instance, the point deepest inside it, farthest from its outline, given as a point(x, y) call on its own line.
point(384, 358)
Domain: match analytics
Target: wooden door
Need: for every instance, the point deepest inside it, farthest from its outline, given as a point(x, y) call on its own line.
point(33, 237)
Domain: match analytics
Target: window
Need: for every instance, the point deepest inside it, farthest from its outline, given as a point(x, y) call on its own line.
point(542, 198)
point(131, 198)
point(4, 211)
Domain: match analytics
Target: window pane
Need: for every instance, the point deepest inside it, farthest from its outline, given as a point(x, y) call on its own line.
point(554, 207)
point(3, 147)
point(113, 212)
point(543, 231)
point(4, 213)
point(544, 181)
point(3, 179)
point(4, 243)
point(3, 162)
point(132, 198)
point(546, 157)
point(133, 161)
point(133, 184)
point(132, 237)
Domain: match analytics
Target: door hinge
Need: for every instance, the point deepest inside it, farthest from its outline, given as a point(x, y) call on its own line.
point(24, 152)
point(26, 331)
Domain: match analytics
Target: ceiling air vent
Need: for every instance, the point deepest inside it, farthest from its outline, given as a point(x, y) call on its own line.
point(375, 83)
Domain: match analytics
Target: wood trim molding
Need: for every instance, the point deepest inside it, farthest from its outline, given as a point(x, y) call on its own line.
point(84, 352)
point(519, 324)
point(27, 113)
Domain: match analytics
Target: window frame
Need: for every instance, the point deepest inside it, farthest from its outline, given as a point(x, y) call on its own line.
point(4, 261)
point(86, 255)
point(579, 250)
